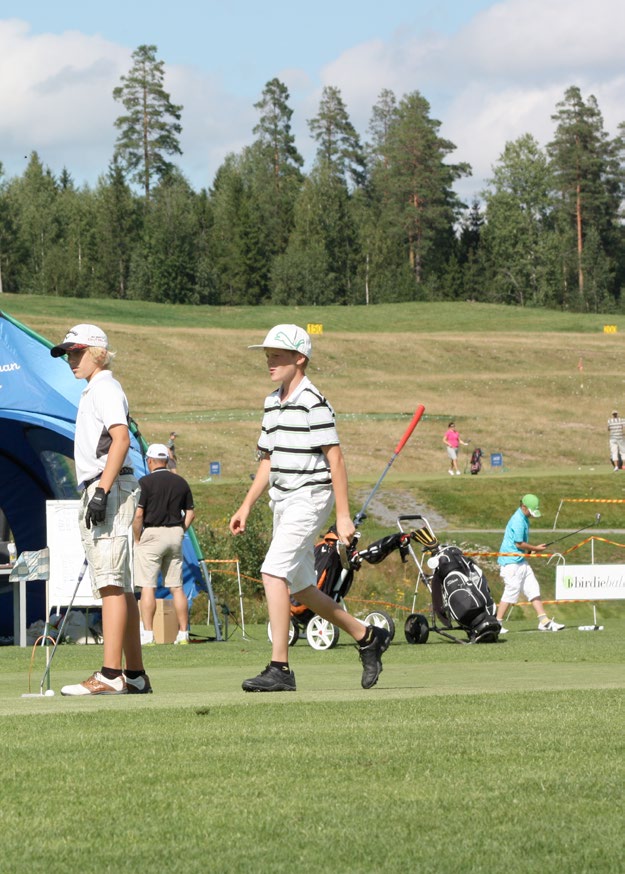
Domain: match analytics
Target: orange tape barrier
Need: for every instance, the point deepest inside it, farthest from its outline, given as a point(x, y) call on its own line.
point(592, 500)
point(549, 554)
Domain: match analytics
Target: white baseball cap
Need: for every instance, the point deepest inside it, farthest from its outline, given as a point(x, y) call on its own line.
point(158, 450)
point(290, 337)
point(79, 337)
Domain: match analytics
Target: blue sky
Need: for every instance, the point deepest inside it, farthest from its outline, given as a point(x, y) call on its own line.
point(491, 71)
point(244, 40)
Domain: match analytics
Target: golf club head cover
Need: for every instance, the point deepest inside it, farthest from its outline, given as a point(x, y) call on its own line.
point(425, 536)
point(96, 508)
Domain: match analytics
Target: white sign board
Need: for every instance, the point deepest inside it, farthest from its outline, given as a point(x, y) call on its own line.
point(66, 556)
point(590, 582)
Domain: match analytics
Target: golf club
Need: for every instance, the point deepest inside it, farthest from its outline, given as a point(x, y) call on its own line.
point(358, 518)
point(571, 533)
point(46, 673)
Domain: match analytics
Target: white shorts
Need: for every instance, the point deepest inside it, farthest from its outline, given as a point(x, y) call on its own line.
point(106, 546)
point(518, 577)
point(452, 453)
point(297, 523)
point(617, 447)
point(159, 552)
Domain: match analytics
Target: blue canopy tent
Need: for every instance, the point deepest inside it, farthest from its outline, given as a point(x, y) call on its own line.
point(38, 402)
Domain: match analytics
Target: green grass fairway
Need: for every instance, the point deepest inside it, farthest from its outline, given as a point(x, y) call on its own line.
point(496, 758)
point(504, 757)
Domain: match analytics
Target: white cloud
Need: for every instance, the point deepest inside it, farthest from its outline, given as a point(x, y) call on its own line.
point(530, 38)
point(498, 77)
point(55, 97)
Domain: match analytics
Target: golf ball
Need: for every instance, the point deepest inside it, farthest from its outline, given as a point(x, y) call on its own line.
point(49, 693)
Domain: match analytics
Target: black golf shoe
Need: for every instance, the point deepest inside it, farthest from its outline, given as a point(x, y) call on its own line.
point(272, 679)
point(139, 685)
point(371, 657)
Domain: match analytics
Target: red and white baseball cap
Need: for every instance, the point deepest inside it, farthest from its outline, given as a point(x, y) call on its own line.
point(79, 337)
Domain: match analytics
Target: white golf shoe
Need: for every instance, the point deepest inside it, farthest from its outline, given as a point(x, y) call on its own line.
point(550, 625)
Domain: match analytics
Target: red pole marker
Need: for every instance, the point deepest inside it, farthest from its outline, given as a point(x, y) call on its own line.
point(406, 436)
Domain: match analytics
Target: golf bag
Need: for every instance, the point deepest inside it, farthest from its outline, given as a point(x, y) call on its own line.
point(476, 461)
point(378, 551)
point(332, 577)
point(461, 594)
point(335, 574)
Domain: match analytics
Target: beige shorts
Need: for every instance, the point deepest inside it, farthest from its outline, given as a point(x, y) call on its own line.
point(159, 551)
point(297, 522)
point(107, 546)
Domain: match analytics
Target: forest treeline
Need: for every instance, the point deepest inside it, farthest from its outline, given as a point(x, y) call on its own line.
point(375, 220)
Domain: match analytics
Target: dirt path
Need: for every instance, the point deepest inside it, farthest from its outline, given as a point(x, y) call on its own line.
point(385, 507)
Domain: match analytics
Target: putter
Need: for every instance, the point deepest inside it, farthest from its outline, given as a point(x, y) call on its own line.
point(584, 528)
point(46, 673)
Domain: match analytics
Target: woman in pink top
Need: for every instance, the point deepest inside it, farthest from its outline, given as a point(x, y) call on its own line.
point(452, 441)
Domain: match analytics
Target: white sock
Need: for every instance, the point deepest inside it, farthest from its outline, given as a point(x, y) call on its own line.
point(147, 636)
point(183, 635)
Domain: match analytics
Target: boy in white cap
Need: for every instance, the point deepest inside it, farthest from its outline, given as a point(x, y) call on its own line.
point(302, 465)
point(518, 576)
point(164, 512)
point(104, 472)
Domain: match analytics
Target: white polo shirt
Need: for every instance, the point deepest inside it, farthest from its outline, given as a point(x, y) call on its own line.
point(292, 434)
point(102, 405)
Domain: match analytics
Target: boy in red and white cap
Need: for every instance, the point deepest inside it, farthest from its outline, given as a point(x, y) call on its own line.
point(104, 472)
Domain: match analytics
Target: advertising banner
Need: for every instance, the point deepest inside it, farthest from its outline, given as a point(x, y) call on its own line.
point(590, 582)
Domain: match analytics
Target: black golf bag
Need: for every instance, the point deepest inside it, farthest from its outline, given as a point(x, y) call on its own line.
point(378, 551)
point(332, 578)
point(476, 461)
point(335, 568)
point(461, 594)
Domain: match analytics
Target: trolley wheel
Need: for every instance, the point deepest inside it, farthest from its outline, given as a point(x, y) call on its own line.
point(416, 628)
point(293, 633)
point(381, 619)
point(321, 634)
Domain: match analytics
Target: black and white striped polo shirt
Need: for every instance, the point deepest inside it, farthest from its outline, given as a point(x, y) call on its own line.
point(615, 427)
point(292, 434)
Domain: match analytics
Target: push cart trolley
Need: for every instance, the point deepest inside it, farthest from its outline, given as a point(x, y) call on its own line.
point(459, 593)
point(335, 566)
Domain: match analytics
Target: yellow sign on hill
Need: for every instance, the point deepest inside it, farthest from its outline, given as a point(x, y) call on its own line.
point(314, 329)
point(610, 329)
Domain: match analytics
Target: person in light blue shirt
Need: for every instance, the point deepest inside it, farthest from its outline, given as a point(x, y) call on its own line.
point(518, 576)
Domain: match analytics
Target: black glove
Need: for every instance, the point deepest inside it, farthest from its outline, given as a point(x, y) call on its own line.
point(96, 508)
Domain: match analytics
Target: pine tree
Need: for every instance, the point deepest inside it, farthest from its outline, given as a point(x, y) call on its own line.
point(412, 184)
point(35, 200)
point(339, 149)
point(118, 222)
point(519, 231)
point(149, 130)
point(589, 180)
point(277, 178)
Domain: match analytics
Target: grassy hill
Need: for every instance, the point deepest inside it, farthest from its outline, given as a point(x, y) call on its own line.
point(510, 379)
